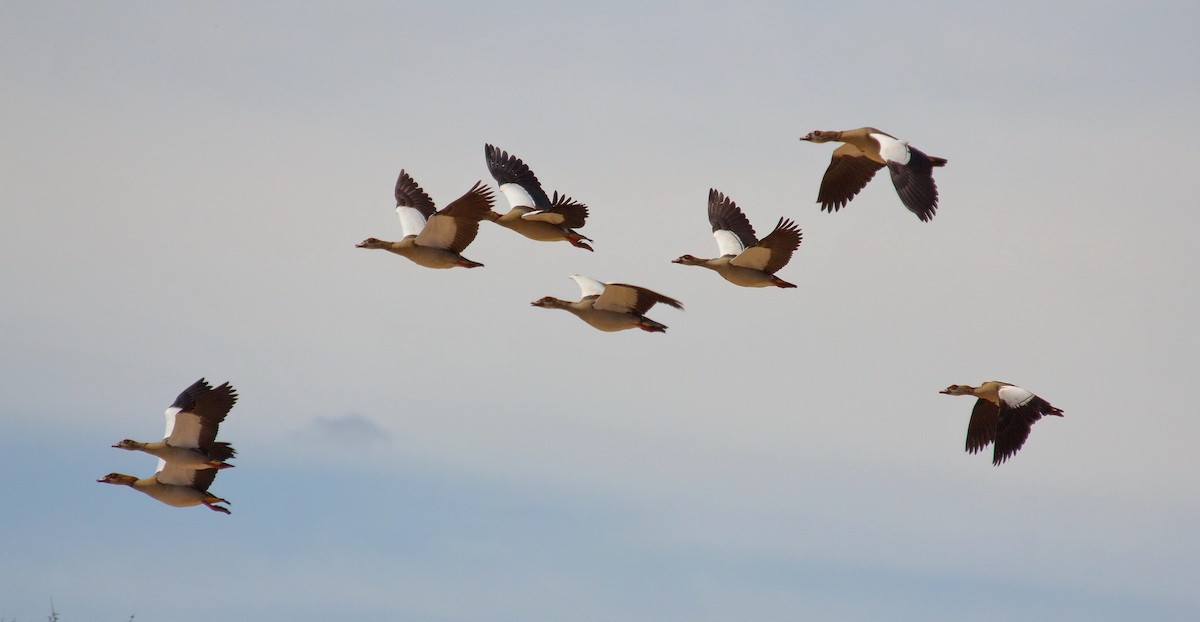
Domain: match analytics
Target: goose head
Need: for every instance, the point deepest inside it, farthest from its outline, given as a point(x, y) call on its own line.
point(549, 302)
point(118, 478)
point(689, 260)
point(371, 243)
point(958, 389)
point(129, 444)
point(820, 136)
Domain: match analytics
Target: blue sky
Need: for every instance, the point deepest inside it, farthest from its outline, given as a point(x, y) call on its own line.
point(183, 187)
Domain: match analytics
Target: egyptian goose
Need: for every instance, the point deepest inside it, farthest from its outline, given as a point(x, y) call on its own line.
point(1003, 414)
point(192, 423)
point(612, 306)
point(531, 213)
point(866, 150)
point(174, 486)
point(435, 239)
point(745, 260)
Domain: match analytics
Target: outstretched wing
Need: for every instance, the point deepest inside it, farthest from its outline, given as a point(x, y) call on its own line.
point(914, 183)
point(1019, 410)
point(981, 430)
point(848, 172)
point(731, 228)
point(563, 211)
point(518, 183)
point(631, 299)
point(774, 251)
point(413, 205)
point(456, 225)
point(195, 417)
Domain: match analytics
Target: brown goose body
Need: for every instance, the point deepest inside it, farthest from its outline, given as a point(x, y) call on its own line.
point(745, 260)
point(611, 307)
point(174, 495)
point(435, 238)
point(532, 213)
point(864, 151)
point(1003, 414)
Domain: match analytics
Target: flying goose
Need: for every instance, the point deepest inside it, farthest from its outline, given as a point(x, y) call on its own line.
point(435, 239)
point(611, 306)
point(866, 150)
point(1003, 414)
point(174, 486)
point(531, 213)
point(192, 423)
point(745, 260)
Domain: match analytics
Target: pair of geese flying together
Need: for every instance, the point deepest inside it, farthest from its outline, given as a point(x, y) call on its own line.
point(436, 238)
point(189, 455)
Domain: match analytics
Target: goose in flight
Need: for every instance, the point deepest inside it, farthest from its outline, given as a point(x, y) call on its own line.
point(744, 259)
point(531, 213)
point(192, 424)
point(611, 306)
point(189, 455)
point(435, 239)
point(866, 150)
point(174, 486)
point(1003, 414)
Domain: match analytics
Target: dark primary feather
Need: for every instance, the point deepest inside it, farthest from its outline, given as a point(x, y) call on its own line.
point(647, 298)
point(220, 451)
point(981, 431)
point(187, 399)
point(848, 173)
point(467, 211)
point(782, 242)
point(573, 212)
point(506, 169)
point(409, 194)
point(212, 407)
point(723, 213)
point(914, 183)
point(1014, 425)
point(203, 479)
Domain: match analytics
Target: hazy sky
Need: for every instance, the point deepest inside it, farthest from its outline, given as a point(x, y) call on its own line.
point(183, 186)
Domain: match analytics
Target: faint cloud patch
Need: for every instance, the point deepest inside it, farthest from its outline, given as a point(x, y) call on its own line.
point(346, 431)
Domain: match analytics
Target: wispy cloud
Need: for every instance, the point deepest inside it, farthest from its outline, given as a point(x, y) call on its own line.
point(352, 430)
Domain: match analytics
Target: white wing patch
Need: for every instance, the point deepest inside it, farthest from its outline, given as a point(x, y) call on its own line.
point(1014, 397)
point(728, 243)
point(412, 221)
point(517, 195)
point(891, 149)
point(170, 413)
point(186, 431)
point(588, 286)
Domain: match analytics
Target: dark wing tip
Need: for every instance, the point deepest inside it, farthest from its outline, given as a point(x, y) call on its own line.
point(723, 213)
point(187, 399)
